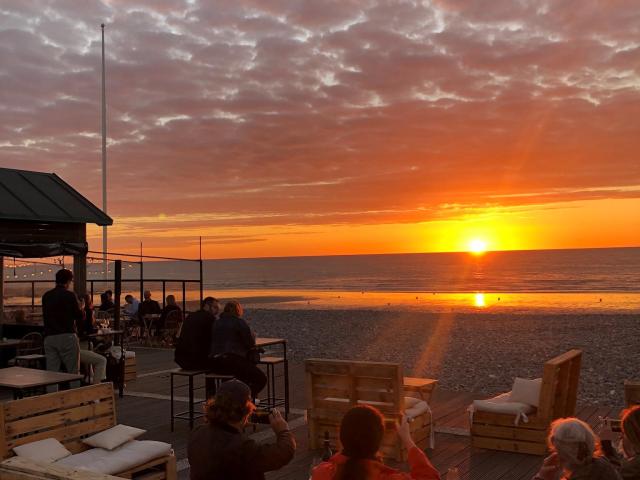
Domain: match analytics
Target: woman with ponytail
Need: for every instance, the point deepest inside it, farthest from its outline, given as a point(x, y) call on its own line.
point(361, 432)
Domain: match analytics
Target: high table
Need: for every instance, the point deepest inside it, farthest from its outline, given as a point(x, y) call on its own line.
point(19, 379)
point(117, 334)
point(262, 342)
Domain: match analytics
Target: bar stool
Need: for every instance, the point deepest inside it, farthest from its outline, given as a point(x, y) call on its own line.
point(190, 414)
point(272, 400)
point(213, 380)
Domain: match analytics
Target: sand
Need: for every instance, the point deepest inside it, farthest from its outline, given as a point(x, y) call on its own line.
point(466, 351)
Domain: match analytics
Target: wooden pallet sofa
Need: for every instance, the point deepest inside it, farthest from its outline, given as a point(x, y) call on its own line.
point(334, 386)
point(73, 415)
point(527, 434)
point(18, 468)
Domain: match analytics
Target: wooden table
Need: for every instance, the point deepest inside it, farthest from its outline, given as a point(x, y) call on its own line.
point(422, 386)
point(262, 342)
point(19, 379)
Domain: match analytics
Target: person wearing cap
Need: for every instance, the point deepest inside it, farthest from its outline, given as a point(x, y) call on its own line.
point(218, 449)
point(60, 312)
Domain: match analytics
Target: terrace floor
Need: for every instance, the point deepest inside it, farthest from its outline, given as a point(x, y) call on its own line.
point(146, 405)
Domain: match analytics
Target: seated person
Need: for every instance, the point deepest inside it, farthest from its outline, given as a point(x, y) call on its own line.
point(233, 343)
point(148, 305)
point(194, 343)
point(86, 327)
point(171, 306)
point(106, 304)
point(219, 449)
point(629, 464)
point(361, 432)
point(131, 307)
point(575, 454)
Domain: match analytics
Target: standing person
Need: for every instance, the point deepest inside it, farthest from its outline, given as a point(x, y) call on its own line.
point(575, 454)
point(194, 343)
point(361, 432)
point(86, 328)
point(233, 342)
point(219, 450)
point(61, 312)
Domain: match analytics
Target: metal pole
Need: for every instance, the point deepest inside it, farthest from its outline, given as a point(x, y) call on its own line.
point(104, 160)
point(201, 290)
point(141, 275)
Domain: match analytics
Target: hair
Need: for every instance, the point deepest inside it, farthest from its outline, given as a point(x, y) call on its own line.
point(104, 297)
point(146, 293)
point(171, 300)
point(208, 301)
point(88, 301)
point(226, 412)
point(109, 292)
point(574, 441)
point(63, 276)
point(127, 297)
point(361, 432)
point(631, 426)
point(233, 308)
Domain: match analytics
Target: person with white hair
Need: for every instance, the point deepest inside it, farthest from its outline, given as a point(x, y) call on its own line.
point(575, 454)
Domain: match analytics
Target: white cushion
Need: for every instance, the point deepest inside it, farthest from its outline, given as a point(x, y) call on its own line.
point(126, 457)
point(417, 409)
point(116, 352)
point(526, 391)
point(44, 451)
point(502, 404)
point(113, 437)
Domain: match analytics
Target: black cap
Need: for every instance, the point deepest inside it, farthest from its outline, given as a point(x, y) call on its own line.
point(233, 393)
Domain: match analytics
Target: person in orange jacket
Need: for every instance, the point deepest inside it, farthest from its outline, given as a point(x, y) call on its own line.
point(361, 432)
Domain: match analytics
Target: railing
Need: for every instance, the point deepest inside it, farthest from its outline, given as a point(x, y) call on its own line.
point(92, 291)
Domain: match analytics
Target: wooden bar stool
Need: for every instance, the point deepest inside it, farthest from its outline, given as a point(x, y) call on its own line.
point(190, 414)
point(272, 400)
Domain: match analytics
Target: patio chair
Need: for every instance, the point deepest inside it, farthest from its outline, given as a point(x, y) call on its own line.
point(527, 434)
point(334, 386)
point(171, 327)
point(30, 352)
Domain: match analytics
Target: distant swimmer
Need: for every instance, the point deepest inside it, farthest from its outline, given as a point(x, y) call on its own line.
point(600, 300)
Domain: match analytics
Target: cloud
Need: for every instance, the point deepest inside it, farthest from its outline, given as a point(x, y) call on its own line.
point(325, 112)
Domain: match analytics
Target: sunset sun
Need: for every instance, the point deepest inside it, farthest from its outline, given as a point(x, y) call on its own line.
point(477, 246)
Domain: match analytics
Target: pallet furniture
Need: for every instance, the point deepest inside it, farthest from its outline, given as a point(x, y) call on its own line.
point(423, 387)
point(631, 392)
point(69, 416)
point(17, 468)
point(558, 394)
point(334, 386)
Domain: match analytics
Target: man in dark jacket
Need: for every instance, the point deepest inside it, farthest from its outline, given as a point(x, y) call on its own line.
point(60, 312)
point(194, 344)
point(218, 450)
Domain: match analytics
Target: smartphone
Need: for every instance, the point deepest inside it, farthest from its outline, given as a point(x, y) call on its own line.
point(261, 416)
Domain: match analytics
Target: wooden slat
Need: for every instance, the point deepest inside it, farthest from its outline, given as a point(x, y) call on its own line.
point(509, 445)
point(23, 469)
point(524, 434)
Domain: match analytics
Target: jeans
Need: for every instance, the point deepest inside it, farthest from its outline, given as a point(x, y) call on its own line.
point(243, 369)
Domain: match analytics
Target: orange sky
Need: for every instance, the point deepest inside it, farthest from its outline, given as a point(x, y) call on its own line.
point(303, 128)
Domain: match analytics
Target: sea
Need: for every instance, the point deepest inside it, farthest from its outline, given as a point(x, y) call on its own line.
point(572, 280)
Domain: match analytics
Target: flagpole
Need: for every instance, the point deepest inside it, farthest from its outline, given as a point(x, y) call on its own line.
point(104, 161)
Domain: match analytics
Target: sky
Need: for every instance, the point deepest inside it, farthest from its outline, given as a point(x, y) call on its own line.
point(284, 127)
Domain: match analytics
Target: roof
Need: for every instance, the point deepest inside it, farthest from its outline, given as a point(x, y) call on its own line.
point(44, 197)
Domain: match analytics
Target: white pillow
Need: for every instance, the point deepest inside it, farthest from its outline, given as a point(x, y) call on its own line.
point(526, 391)
point(44, 451)
point(113, 437)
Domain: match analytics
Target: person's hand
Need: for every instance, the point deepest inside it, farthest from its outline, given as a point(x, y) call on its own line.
point(550, 468)
point(404, 432)
point(278, 423)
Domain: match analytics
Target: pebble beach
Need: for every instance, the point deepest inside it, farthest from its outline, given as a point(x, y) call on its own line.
point(479, 352)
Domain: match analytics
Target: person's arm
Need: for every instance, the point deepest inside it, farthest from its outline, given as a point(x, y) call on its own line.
point(550, 469)
point(269, 457)
point(248, 338)
point(421, 468)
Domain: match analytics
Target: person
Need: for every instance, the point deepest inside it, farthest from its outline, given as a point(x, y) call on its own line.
point(106, 303)
point(131, 308)
point(232, 344)
point(148, 305)
point(629, 465)
point(575, 454)
point(170, 306)
point(85, 328)
point(194, 342)
point(218, 449)
point(61, 312)
point(361, 433)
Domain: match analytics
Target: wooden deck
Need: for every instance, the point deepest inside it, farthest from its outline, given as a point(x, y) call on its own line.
point(146, 405)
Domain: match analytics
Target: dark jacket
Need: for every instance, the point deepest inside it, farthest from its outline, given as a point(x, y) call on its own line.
point(87, 325)
point(232, 335)
point(193, 345)
point(60, 311)
point(219, 452)
point(598, 469)
point(630, 469)
point(166, 311)
point(149, 307)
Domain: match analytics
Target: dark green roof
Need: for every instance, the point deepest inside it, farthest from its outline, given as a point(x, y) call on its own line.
point(44, 197)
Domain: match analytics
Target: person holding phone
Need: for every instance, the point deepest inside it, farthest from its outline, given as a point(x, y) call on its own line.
point(218, 449)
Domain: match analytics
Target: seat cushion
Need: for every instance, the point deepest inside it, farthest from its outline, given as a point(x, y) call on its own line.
point(502, 404)
point(526, 391)
point(113, 437)
point(125, 457)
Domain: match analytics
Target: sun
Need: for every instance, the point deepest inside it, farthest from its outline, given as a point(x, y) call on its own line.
point(477, 246)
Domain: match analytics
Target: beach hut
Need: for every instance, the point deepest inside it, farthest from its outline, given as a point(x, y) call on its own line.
point(43, 216)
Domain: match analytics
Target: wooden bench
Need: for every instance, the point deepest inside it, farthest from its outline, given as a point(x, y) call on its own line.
point(334, 386)
point(17, 468)
point(70, 416)
point(496, 431)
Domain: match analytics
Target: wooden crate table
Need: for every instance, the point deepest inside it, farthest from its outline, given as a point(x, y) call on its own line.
point(20, 380)
point(424, 387)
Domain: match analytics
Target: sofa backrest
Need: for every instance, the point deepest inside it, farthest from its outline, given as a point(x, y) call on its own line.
point(68, 415)
point(559, 390)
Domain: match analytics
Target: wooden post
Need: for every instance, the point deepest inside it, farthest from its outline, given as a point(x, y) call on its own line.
point(117, 285)
point(80, 274)
point(1, 289)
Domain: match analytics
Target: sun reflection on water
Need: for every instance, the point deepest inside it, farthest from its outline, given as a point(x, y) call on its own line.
point(478, 300)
